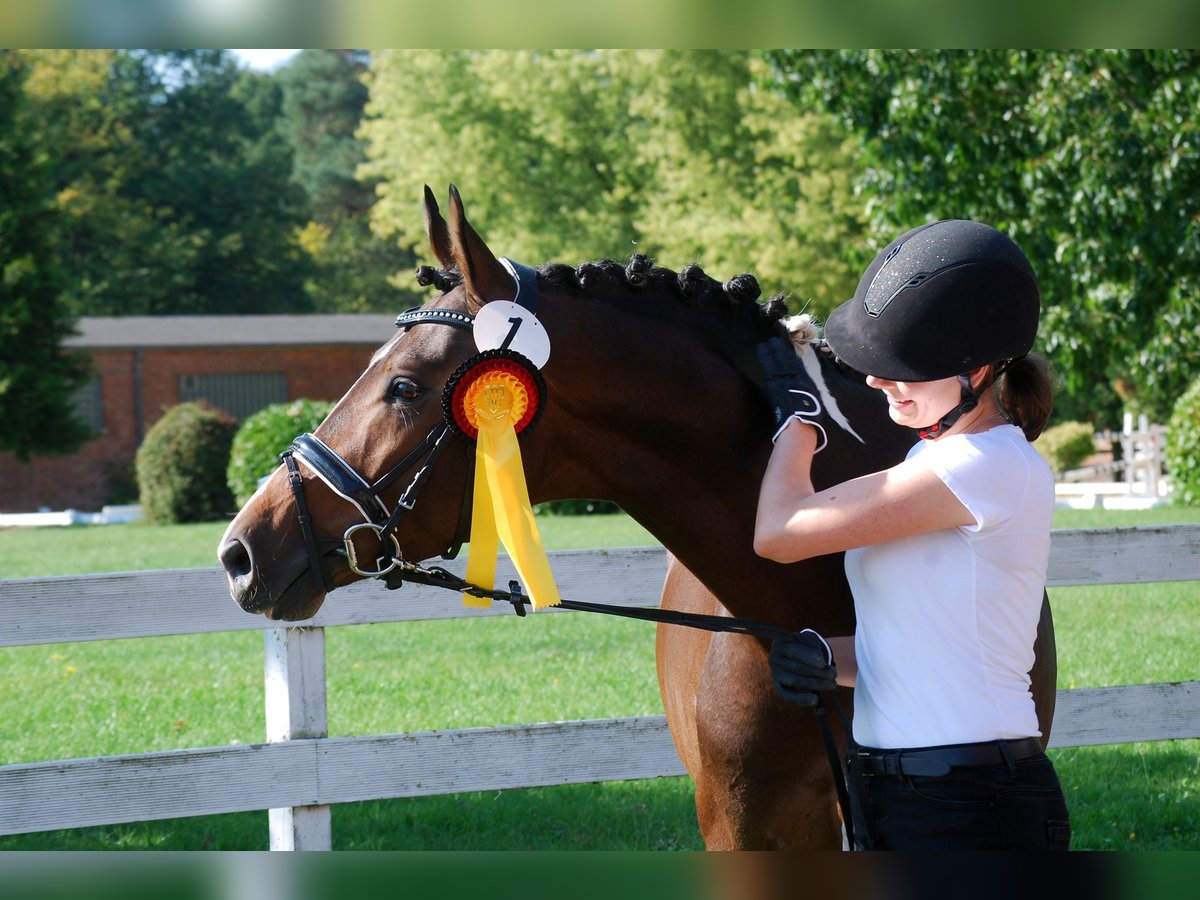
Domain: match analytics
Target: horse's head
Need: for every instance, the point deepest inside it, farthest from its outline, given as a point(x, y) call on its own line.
point(382, 476)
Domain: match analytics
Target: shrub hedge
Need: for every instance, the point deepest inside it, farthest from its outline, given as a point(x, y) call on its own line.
point(1066, 445)
point(1182, 451)
point(263, 436)
point(181, 465)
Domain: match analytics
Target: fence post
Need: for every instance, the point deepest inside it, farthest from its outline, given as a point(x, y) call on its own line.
point(1158, 440)
point(1129, 473)
point(295, 708)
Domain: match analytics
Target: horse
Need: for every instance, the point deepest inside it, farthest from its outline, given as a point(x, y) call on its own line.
point(654, 400)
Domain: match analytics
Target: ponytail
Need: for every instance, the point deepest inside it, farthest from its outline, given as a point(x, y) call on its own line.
point(1026, 394)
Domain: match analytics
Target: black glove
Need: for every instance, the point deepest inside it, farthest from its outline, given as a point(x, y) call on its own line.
point(802, 663)
point(790, 390)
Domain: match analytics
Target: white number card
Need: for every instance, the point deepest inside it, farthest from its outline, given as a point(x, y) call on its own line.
point(504, 325)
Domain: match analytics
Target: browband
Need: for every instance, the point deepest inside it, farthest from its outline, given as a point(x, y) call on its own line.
point(417, 315)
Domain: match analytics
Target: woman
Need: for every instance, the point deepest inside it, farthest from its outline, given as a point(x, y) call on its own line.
point(946, 552)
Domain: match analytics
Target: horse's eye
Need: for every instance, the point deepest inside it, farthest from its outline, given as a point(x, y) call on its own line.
point(404, 389)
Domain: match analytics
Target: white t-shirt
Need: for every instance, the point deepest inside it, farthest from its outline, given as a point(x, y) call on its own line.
point(947, 620)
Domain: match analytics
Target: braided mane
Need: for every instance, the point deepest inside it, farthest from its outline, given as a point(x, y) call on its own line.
point(730, 303)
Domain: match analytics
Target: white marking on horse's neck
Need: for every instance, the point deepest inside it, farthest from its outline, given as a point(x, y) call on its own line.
point(803, 332)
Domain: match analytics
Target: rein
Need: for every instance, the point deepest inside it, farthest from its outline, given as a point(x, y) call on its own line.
point(436, 576)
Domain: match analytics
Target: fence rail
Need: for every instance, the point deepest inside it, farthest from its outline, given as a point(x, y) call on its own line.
point(1136, 473)
point(298, 771)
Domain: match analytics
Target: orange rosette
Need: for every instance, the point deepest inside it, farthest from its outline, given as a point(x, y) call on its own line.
point(491, 398)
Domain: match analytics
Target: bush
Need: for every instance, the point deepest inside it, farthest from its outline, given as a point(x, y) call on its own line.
point(263, 436)
point(181, 465)
point(1183, 448)
point(122, 483)
point(1067, 445)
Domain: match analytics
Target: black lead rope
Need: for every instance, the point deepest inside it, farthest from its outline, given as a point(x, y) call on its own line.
point(436, 576)
point(858, 838)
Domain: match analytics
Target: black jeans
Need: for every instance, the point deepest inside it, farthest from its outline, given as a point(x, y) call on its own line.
point(1017, 806)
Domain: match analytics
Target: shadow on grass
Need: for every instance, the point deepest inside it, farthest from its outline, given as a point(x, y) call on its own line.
point(656, 814)
point(653, 814)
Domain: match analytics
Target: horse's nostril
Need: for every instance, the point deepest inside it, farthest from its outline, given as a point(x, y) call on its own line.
point(235, 558)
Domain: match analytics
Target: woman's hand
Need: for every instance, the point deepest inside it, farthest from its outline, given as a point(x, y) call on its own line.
point(802, 664)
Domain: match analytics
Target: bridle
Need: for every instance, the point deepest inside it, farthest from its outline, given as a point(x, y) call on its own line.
point(367, 497)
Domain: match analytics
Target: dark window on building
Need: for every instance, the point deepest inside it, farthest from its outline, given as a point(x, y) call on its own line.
point(89, 405)
point(240, 395)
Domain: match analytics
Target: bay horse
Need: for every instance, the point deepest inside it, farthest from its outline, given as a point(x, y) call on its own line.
point(654, 401)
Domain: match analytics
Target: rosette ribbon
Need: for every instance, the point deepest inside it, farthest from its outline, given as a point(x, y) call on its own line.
point(499, 394)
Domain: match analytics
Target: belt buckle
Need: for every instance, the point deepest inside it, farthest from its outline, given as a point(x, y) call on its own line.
point(858, 759)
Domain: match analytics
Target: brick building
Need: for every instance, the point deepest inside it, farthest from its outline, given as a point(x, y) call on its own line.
point(145, 364)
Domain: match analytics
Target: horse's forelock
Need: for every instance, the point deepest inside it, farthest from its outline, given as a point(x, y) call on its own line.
point(445, 280)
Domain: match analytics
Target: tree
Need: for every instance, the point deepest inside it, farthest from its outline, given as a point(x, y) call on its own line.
point(37, 379)
point(740, 179)
point(571, 155)
point(1089, 159)
point(174, 182)
point(323, 99)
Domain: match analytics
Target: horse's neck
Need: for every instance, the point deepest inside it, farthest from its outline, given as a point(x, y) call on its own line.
point(672, 433)
point(862, 436)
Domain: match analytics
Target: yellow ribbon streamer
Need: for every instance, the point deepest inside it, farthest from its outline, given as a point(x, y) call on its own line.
point(502, 511)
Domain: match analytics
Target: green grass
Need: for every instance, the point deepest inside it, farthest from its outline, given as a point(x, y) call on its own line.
point(79, 549)
point(90, 699)
point(1142, 796)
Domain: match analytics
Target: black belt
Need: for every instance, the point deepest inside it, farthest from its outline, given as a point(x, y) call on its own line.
point(935, 762)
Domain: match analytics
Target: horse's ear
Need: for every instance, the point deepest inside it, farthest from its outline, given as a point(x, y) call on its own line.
point(483, 276)
point(436, 231)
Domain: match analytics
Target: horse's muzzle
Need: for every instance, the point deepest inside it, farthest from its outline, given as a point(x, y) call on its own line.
point(244, 586)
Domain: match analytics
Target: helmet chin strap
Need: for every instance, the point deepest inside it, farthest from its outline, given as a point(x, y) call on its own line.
point(968, 401)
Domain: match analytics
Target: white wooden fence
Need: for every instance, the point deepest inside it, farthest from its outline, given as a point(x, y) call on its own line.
point(298, 772)
point(1135, 481)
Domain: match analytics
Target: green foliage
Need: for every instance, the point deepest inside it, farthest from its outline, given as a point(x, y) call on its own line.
point(323, 99)
point(263, 436)
point(172, 180)
point(121, 477)
point(37, 379)
point(1183, 448)
point(1066, 445)
point(181, 465)
point(572, 155)
point(1090, 159)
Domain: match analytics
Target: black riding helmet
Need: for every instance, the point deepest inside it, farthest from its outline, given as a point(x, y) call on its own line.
point(937, 302)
